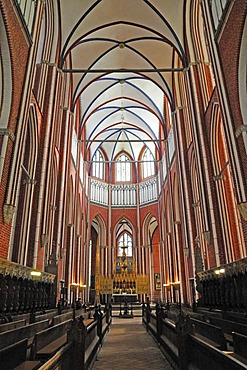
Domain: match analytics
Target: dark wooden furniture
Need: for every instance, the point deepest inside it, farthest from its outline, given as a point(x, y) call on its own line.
point(210, 333)
point(15, 335)
point(14, 357)
point(48, 342)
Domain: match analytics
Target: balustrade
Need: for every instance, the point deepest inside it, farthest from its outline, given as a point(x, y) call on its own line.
point(124, 194)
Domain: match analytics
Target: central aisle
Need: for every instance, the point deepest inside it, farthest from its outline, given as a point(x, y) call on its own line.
point(129, 347)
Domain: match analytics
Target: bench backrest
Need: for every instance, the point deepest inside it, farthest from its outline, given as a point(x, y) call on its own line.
point(22, 316)
point(229, 326)
point(16, 335)
point(12, 325)
point(202, 355)
point(14, 355)
point(61, 318)
point(44, 337)
point(240, 344)
point(45, 316)
point(236, 317)
point(211, 332)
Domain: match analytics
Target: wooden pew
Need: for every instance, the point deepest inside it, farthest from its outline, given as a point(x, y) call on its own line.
point(14, 357)
point(22, 316)
point(66, 354)
point(210, 333)
point(228, 327)
point(58, 319)
point(49, 341)
point(12, 325)
point(240, 347)
point(92, 343)
point(235, 316)
point(15, 335)
point(63, 356)
point(207, 313)
point(169, 341)
point(202, 356)
point(46, 316)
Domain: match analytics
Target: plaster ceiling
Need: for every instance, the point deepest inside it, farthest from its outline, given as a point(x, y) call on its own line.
point(120, 55)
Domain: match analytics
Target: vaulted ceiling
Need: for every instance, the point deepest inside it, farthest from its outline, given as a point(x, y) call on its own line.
point(120, 55)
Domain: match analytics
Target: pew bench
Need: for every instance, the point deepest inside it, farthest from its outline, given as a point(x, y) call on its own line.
point(12, 325)
point(28, 331)
point(229, 327)
point(238, 317)
point(14, 357)
point(240, 347)
point(210, 333)
point(49, 341)
point(169, 339)
point(46, 316)
point(58, 319)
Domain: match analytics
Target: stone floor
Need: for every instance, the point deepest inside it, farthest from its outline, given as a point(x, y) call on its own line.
point(129, 347)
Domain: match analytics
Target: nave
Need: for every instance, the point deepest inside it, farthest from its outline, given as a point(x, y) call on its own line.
point(129, 346)
point(123, 178)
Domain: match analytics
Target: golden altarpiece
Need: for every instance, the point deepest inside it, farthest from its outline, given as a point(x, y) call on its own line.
point(124, 282)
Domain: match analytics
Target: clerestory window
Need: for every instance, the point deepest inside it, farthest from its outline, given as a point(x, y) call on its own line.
point(147, 164)
point(123, 168)
point(98, 166)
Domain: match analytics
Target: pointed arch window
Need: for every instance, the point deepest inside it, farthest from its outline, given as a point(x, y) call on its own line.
point(147, 164)
point(123, 168)
point(125, 244)
point(98, 166)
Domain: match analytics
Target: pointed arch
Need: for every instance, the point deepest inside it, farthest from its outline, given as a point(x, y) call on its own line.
point(5, 77)
point(232, 233)
point(195, 34)
point(242, 80)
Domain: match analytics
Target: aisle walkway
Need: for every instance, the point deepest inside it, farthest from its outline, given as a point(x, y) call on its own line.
point(129, 347)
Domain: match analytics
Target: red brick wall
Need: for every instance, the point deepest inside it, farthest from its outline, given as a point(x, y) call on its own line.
point(19, 48)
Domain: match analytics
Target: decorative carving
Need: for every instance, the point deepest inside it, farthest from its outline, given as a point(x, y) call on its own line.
point(44, 239)
point(240, 130)
point(236, 267)
point(53, 258)
point(187, 252)
point(207, 236)
point(243, 210)
point(20, 271)
point(7, 132)
point(8, 212)
point(218, 177)
point(196, 204)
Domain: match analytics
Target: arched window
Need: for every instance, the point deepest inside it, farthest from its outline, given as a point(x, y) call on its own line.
point(125, 244)
point(147, 164)
point(123, 168)
point(98, 167)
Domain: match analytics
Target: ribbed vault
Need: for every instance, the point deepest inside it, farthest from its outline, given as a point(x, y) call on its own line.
point(120, 55)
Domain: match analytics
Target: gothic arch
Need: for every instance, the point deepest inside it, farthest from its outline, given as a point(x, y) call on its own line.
point(197, 49)
point(242, 79)
point(47, 48)
point(49, 37)
point(229, 216)
point(100, 229)
point(5, 77)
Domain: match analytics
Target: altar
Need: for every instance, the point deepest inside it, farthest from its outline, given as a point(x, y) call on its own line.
point(120, 298)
